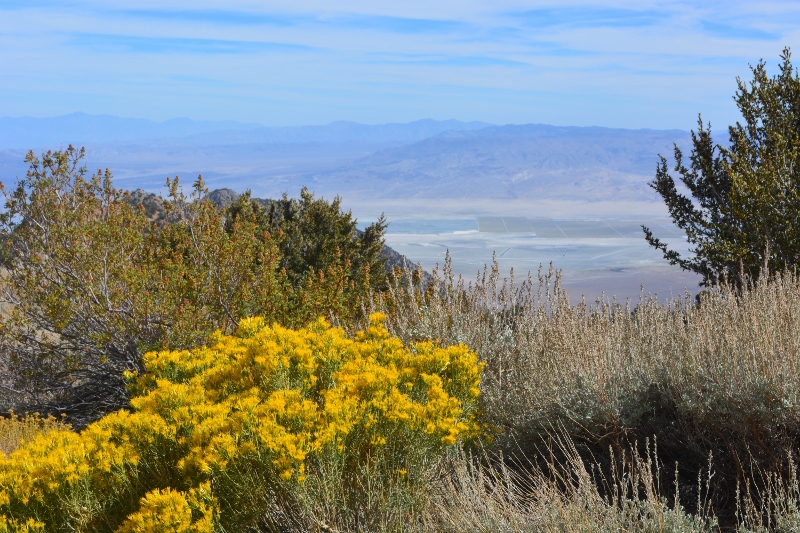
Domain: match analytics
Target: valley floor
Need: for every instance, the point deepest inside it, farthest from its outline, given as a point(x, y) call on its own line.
point(600, 255)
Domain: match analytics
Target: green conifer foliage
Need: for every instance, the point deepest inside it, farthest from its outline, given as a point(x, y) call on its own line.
point(742, 215)
point(314, 235)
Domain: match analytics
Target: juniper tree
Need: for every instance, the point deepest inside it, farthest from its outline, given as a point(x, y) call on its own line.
point(314, 235)
point(742, 214)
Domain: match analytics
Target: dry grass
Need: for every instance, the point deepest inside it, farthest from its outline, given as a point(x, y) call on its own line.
point(564, 497)
point(719, 378)
point(16, 429)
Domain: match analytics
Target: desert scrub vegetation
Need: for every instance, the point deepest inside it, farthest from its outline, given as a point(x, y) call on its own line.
point(564, 496)
point(605, 416)
point(713, 381)
point(269, 428)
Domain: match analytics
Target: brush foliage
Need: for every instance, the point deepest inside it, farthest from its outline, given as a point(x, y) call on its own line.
point(91, 283)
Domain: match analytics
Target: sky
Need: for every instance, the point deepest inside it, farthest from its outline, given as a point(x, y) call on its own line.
point(641, 64)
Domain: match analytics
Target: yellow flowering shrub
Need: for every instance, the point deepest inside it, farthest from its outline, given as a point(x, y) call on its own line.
point(275, 399)
point(64, 476)
point(170, 511)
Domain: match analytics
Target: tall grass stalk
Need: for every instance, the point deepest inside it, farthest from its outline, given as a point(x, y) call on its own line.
point(487, 496)
point(15, 430)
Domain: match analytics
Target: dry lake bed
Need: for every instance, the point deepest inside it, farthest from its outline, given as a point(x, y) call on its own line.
point(598, 256)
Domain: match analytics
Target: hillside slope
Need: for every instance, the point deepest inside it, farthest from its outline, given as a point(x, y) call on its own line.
point(531, 161)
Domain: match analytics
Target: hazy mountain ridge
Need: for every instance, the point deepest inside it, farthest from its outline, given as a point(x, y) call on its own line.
point(340, 131)
point(81, 128)
point(513, 161)
point(31, 133)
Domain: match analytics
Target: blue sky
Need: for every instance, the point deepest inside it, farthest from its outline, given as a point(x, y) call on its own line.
point(643, 64)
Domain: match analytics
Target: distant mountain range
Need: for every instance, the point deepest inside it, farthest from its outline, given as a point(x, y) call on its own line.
point(512, 161)
point(338, 132)
point(31, 133)
point(80, 128)
point(424, 159)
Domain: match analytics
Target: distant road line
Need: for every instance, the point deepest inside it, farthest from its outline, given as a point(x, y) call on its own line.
point(612, 227)
point(559, 228)
point(604, 255)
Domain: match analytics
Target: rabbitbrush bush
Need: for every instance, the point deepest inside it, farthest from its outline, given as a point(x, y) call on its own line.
point(264, 429)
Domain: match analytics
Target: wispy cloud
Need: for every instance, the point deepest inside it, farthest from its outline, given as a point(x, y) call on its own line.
point(373, 23)
point(405, 25)
point(109, 43)
point(35, 4)
point(217, 17)
point(738, 32)
point(446, 60)
point(588, 17)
